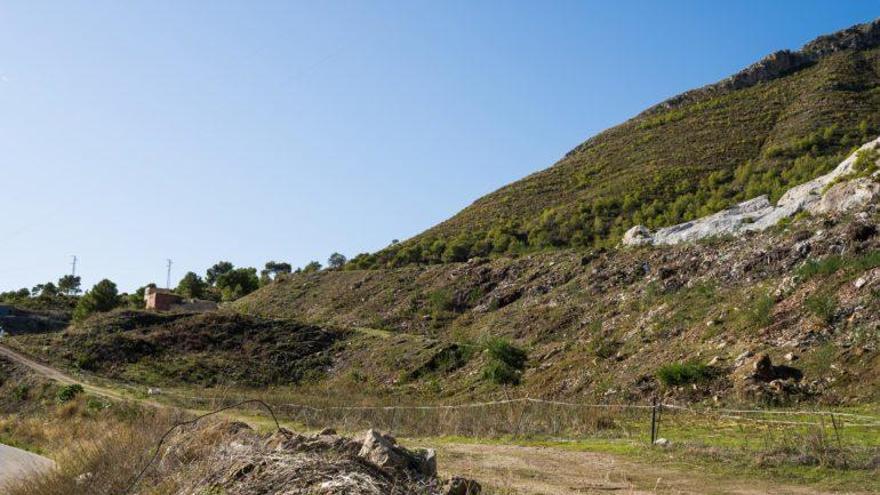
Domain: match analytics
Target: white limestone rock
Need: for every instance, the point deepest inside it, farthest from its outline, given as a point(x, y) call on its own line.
point(758, 214)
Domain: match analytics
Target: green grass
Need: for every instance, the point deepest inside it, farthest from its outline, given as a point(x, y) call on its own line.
point(506, 362)
point(822, 306)
point(675, 374)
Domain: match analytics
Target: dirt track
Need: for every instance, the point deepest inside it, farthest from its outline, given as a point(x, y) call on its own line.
point(552, 471)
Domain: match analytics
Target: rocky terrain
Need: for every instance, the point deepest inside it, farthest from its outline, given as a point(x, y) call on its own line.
point(837, 192)
point(232, 458)
point(600, 324)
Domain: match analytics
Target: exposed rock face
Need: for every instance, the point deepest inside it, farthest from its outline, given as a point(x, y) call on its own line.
point(778, 64)
point(758, 214)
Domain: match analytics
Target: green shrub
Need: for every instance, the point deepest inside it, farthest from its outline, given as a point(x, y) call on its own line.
point(604, 348)
point(675, 374)
point(506, 362)
point(826, 266)
point(68, 392)
point(441, 301)
point(501, 374)
point(20, 392)
point(760, 314)
point(103, 297)
point(823, 306)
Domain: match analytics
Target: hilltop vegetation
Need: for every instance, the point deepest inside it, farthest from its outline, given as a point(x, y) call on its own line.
point(671, 164)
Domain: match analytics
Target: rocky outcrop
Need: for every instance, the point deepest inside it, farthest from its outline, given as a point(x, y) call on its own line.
point(828, 194)
point(783, 62)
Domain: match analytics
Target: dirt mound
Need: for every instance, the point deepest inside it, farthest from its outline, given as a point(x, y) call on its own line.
point(232, 458)
point(208, 349)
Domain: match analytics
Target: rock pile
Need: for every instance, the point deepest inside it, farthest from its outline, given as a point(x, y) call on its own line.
point(241, 461)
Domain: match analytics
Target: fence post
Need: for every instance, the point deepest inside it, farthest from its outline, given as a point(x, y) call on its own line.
point(654, 421)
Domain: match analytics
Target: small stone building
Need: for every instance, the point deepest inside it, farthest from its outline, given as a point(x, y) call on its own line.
point(166, 300)
point(160, 299)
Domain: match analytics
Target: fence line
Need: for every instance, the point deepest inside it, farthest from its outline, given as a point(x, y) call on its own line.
point(732, 413)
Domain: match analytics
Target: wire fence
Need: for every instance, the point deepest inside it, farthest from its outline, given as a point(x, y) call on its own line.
point(526, 416)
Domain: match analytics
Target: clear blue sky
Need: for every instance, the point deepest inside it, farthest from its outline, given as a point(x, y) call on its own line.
point(132, 132)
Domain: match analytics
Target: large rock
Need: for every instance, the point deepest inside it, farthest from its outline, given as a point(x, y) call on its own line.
point(758, 214)
point(383, 451)
point(847, 196)
point(637, 236)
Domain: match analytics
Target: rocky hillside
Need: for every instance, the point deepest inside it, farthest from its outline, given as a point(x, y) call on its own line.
point(781, 122)
point(784, 315)
point(204, 349)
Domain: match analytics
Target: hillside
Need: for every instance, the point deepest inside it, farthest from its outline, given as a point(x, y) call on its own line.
point(605, 325)
point(780, 122)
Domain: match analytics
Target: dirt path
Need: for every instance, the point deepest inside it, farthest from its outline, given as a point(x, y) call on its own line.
point(532, 470)
point(552, 471)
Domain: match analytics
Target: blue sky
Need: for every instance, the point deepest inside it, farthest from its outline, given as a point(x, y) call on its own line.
point(132, 132)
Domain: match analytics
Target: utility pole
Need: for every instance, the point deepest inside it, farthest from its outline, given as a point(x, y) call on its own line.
point(73, 266)
point(168, 275)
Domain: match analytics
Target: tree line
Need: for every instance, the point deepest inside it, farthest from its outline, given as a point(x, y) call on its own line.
point(222, 282)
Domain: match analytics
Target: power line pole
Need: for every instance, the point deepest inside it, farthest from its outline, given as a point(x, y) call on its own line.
point(73, 265)
point(168, 275)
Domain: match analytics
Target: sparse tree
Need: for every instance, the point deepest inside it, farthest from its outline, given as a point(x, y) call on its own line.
point(238, 283)
point(217, 270)
point(69, 285)
point(336, 261)
point(313, 266)
point(44, 291)
point(192, 286)
point(272, 270)
point(104, 296)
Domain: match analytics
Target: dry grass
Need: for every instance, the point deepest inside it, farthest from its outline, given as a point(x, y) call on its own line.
point(102, 459)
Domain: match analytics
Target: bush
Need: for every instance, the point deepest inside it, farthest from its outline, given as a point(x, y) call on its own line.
point(501, 374)
point(103, 297)
point(675, 374)
point(823, 306)
point(760, 314)
point(506, 362)
point(68, 392)
point(237, 283)
point(826, 266)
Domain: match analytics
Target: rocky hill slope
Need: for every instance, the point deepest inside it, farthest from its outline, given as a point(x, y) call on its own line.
point(784, 315)
point(784, 121)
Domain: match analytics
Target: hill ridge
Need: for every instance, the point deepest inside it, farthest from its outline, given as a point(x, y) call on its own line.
point(782, 62)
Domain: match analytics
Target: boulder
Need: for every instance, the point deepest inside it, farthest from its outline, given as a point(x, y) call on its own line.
point(383, 451)
point(637, 236)
point(462, 486)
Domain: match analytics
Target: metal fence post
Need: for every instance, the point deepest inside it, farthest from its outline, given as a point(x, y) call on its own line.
point(654, 421)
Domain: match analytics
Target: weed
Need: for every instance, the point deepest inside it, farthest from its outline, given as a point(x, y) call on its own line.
point(823, 306)
point(67, 393)
point(676, 374)
point(506, 362)
point(826, 266)
point(760, 313)
point(20, 392)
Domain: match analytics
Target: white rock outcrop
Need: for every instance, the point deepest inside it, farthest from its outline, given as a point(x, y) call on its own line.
point(758, 214)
